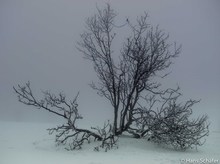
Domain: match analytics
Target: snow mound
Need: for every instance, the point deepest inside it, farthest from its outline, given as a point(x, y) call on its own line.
point(29, 143)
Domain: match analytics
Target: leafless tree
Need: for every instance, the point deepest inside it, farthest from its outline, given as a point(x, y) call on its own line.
point(144, 54)
point(170, 124)
point(67, 133)
point(124, 82)
point(127, 80)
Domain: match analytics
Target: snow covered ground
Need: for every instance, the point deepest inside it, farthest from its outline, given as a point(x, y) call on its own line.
point(29, 143)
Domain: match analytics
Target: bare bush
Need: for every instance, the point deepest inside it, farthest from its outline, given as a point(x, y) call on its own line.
point(171, 124)
point(126, 79)
point(67, 133)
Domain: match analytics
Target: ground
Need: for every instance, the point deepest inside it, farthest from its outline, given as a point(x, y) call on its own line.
point(29, 143)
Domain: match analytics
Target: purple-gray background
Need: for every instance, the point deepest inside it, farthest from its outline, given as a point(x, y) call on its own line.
point(38, 43)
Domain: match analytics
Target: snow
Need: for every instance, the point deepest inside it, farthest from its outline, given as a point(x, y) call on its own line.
point(29, 143)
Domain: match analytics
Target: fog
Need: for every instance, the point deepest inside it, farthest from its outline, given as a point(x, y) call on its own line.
point(38, 44)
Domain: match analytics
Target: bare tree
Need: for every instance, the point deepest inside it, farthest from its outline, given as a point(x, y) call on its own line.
point(67, 133)
point(170, 124)
point(127, 80)
point(130, 80)
point(145, 53)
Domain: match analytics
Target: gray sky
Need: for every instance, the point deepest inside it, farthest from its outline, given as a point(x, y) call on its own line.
point(38, 38)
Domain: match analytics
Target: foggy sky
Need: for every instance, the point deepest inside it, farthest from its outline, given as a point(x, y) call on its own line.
point(38, 44)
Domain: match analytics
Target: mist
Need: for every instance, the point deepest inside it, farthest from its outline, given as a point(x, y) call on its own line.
point(38, 44)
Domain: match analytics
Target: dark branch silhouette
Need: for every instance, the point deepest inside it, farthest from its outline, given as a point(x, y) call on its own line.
point(58, 105)
point(144, 54)
point(129, 80)
point(170, 124)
